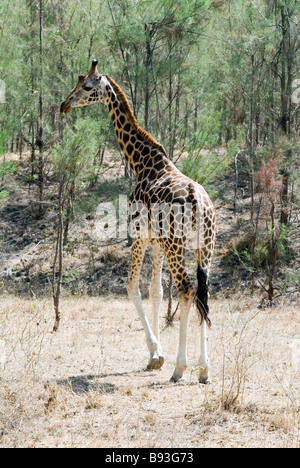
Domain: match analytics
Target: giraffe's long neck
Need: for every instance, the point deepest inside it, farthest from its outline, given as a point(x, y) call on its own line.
point(141, 151)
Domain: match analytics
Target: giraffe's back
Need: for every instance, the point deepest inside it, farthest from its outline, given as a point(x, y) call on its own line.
point(176, 206)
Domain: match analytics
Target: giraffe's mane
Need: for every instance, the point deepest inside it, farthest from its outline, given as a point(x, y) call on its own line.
point(140, 131)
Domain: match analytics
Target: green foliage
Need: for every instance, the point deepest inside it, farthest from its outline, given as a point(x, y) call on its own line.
point(106, 190)
point(205, 167)
point(70, 276)
point(5, 134)
point(7, 168)
point(4, 194)
point(256, 256)
point(74, 155)
point(266, 254)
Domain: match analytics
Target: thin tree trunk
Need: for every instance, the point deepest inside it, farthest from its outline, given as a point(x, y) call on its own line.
point(40, 142)
point(170, 302)
point(148, 60)
point(69, 212)
point(286, 92)
point(57, 282)
point(170, 315)
point(251, 140)
point(33, 159)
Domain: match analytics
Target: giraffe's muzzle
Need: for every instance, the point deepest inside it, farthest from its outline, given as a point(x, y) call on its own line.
point(65, 108)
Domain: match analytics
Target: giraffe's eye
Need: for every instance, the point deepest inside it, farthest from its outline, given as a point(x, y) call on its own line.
point(87, 88)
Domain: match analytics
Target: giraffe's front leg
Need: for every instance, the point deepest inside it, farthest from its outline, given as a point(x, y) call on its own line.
point(156, 297)
point(138, 250)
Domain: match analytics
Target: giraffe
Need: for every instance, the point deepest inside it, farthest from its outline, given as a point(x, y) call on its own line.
point(158, 183)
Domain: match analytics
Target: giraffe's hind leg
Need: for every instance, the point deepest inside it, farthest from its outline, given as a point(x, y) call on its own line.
point(203, 259)
point(185, 301)
point(174, 250)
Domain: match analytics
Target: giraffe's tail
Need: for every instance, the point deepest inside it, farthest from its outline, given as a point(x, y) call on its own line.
point(201, 298)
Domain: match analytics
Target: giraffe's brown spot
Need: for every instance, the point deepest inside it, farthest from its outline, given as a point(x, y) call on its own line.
point(129, 149)
point(127, 128)
point(136, 156)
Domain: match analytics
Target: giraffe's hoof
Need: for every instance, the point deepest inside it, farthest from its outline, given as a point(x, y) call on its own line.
point(161, 361)
point(204, 380)
point(175, 378)
point(155, 363)
point(204, 375)
point(179, 370)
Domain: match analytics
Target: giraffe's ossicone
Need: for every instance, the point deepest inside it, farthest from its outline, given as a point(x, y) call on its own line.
point(174, 210)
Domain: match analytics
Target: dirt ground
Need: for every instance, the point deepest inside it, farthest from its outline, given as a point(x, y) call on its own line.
point(86, 385)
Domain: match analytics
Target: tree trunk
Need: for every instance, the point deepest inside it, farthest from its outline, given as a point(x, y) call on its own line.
point(69, 211)
point(251, 138)
point(286, 93)
point(40, 142)
point(148, 60)
point(57, 282)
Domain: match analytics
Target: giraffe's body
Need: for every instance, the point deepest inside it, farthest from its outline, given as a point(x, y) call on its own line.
point(185, 215)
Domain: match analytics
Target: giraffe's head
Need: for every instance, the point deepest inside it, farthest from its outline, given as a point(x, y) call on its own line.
point(89, 89)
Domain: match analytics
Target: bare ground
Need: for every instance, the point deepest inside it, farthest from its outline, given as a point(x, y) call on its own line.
point(86, 386)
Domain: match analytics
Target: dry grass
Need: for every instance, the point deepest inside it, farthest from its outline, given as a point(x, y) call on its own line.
point(86, 386)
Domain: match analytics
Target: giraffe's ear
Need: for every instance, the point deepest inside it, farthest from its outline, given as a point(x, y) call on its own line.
point(81, 78)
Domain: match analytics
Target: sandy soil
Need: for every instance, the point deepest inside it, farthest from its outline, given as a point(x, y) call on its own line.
point(86, 385)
